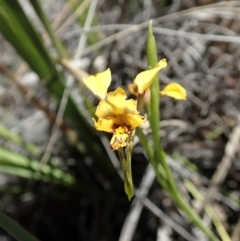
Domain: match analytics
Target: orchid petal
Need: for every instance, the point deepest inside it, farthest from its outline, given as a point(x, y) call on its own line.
point(99, 83)
point(144, 79)
point(175, 91)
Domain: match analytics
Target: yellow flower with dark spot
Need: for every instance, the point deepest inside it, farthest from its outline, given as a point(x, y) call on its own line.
point(118, 116)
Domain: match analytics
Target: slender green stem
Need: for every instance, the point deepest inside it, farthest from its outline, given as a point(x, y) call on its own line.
point(149, 153)
point(56, 42)
point(129, 162)
point(159, 155)
point(173, 192)
point(154, 99)
point(127, 176)
point(14, 229)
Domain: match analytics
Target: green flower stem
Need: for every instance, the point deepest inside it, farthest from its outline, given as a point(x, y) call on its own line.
point(154, 98)
point(158, 154)
point(149, 153)
point(14, 229)
point(129, 162)
point(56, 42)
point(127, 173)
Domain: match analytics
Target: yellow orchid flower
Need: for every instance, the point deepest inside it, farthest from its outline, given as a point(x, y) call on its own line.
point(118, 116)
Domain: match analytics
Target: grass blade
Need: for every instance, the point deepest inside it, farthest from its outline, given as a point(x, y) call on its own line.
point(18, 30)
point(14, 229)
point(159, 155)
point(19, 165)
point(56, 42)
point(9, 135)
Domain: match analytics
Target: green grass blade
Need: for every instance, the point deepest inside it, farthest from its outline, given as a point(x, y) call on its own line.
point(14, 229)
point(159, 155)
point(56, 42)
point(154, 101)
point(18, 30)
point(19, 165)
point(65, 180)
point(9, 135)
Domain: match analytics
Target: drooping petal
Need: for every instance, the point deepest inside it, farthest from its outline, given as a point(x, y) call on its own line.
point(106, 125)
point(144, 79)
point(135, 120)
point(99, 83)
point(175, 91)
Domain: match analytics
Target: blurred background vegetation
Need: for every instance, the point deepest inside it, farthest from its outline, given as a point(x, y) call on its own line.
point(58, 177)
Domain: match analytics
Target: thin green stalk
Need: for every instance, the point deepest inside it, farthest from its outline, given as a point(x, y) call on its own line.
point(149, 153)
point(127, 177)
point(129, 162)
point(154, 99)
point(56, 42)
point(14, 229)
point(159, 155)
